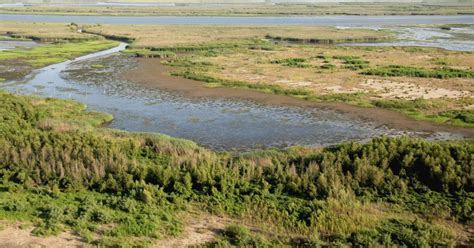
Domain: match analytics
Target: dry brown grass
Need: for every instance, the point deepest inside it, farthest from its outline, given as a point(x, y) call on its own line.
point(172, 35)
point(250, 9)
point(42, 31)
point(255, 66)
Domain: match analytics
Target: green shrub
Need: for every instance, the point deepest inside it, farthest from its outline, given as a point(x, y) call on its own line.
point(292, 62)
point(353, 63)
point(328, 66)
point(397, 71)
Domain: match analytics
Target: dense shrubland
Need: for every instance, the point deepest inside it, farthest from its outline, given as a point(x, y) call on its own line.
point(111, 184)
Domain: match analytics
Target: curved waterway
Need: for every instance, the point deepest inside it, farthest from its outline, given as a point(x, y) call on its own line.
point(231, 124)
point(345, 20)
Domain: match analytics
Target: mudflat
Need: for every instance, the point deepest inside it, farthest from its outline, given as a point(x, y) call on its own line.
point(151, 74)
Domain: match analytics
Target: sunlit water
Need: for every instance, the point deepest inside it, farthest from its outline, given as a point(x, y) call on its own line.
point(456, 39)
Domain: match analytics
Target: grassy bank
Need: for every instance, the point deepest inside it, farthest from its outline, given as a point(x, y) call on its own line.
point(249, 10)
point(117, 188)
point(54, 53)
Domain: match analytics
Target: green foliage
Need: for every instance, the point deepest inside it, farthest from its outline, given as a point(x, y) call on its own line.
point(353, 63)
point(399, 233)
point(55, 53)
point(398, 70)
point(466, 116)
point(146, 53)
point(275, 89)
point(292, 62)
point(328, 66)
point(417, 108)
point(239, 236)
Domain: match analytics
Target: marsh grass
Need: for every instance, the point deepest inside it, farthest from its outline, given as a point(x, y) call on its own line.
point(55, 53)
point(398, 70)
point(146, 53)
point(44, 32)
point(285, 9)
point(428, 110)
point(292, 62)
point(200, 37)
point(353, 63)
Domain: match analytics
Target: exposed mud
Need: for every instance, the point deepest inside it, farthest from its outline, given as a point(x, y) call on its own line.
point(153, 75)
point(13, 70)
point(12, 44)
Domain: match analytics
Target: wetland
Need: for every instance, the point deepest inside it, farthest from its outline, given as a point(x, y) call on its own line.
point(237, 135)
point(143, 96)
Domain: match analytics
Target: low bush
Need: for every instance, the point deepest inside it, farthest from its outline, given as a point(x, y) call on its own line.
point(397, 71)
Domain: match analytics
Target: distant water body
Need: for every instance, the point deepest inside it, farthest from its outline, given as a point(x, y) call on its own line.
point(353, 21)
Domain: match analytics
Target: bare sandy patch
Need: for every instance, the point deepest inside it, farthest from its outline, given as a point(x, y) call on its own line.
point(406, 90)
point(199, 229)
point(338, 89)
point(14, 236)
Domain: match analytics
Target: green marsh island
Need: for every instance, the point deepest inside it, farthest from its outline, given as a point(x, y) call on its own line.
point(237, 125)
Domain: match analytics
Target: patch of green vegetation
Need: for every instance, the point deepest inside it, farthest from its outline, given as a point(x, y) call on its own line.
point(292, 62)
point(466, 115)
point(55, 53)
point(97, 66)
point(400, 233)
point(215, 82)
point(398, 70)
point(377, 36)
point(146, 53)
point(119, 218)
point(353, 63)
point(328, 66)
point(239, 236)
point(351, 98)
point(422, 109)
point(213, 45)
